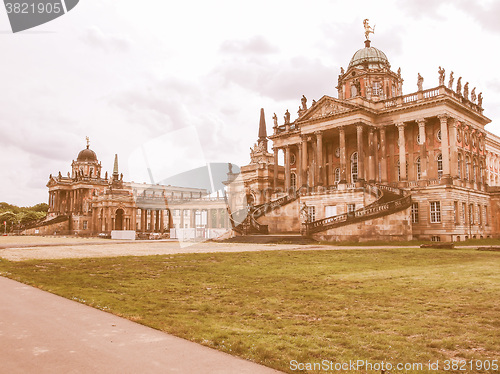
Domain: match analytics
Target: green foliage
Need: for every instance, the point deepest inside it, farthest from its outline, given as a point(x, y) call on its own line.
point(15, 215)
point(395, 305)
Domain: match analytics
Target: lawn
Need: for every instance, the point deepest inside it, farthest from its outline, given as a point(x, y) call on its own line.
point(394, 305)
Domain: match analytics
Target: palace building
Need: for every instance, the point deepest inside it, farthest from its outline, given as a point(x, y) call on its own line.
point(374, 163)
point(87, 203)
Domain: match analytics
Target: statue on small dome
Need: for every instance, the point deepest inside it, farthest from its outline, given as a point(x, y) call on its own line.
point(368, 29)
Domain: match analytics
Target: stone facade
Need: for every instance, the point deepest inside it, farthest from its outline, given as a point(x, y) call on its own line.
point(87, 203)
point(431, 144)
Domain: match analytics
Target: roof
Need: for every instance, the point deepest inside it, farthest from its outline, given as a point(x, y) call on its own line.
point(87, 155)
point(370, 56)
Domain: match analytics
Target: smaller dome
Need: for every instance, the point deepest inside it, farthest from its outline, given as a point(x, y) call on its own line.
point(87, 155)
point(370, 56)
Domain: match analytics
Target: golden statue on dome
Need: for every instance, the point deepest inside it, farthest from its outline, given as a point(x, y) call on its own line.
point(368, 29)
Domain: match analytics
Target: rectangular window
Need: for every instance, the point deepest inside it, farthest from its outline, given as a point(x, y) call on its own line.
point(486, 215)
point(479, 215)
point(471, 214)
point(435, 238)
point(435, 212)
point(85, 225)
point(351, 208)
point(330, 211)
point(414, 213)
point(311, 211)
point(455, 213)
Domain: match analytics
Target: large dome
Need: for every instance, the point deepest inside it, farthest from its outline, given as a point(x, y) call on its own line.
point(371, 57)
point(87, 155)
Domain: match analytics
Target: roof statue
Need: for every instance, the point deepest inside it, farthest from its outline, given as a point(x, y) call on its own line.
point(420, 81)
point(368, 29)
point(88, 142)
point(450, 82)
point(441, 76)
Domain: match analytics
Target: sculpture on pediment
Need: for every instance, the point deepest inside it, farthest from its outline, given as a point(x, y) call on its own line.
point(473, 96)
point(480, 99)
point(287, 117)
point(450, 82)
point(399, 72)
point(420, 81)
point(466, 90)
point(459, 86)
point(275, 119)
point(304, 102)
point(342, 72)
point(441, 76)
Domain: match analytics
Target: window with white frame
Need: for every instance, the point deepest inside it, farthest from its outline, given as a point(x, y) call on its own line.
point(354, 167)
point(414, 213)
point(459, 166)
point(351, 208)
point(85, 225)
point(377, 89)
point(440, 165)
point(330, 211)
point(293, 180)
point(467, 168)
point(311, 213)
point(337, 175)
point(418, 168)
point(471, 214)
point(464, 214)
point(435, 211)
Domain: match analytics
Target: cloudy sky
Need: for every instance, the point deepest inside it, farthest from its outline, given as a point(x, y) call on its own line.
point(182, 82)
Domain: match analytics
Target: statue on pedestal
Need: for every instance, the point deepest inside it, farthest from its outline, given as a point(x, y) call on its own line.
point(420, 81)
point(441, 76)
point(450, 82)
point(459, 86)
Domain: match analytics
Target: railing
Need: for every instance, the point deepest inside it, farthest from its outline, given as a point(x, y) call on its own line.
point(410, 98)
point(376, 209)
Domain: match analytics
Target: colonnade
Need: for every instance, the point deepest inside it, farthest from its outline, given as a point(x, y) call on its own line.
point(373, 162)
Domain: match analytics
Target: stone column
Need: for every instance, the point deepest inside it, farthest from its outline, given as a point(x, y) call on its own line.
point(453, 148)
point(402, 152)
point(445, 152)
point(275, 171)
point(361, 158)
point(108, 219)
point(304, 160)
point(162, 221)
point(371, 156)
point(298, 164)
point(134, 219)
point(343, 161)
point(319, 158)
point(152, 221)
point(423, 148)
point(287, 168)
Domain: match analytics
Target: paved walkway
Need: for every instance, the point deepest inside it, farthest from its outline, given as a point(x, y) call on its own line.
point(44, 333)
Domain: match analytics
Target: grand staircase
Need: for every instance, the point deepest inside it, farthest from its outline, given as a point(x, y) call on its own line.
point(244, 221)
point(389, 200)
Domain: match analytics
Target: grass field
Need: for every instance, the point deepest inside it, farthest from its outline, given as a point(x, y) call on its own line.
point(395, 305)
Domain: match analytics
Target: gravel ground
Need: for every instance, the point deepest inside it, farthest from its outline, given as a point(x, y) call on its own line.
point(53, 248)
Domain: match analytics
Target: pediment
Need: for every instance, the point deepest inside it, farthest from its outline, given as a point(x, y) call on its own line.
point(326, 107)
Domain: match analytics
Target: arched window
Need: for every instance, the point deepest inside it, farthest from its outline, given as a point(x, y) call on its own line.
point(474, 171)
point(293, 180)
point(418, 168)
point(399, 170)
point(440, 165)
point(354, 167)
point(459, 166)
point(337, 175)
point(467, 168)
